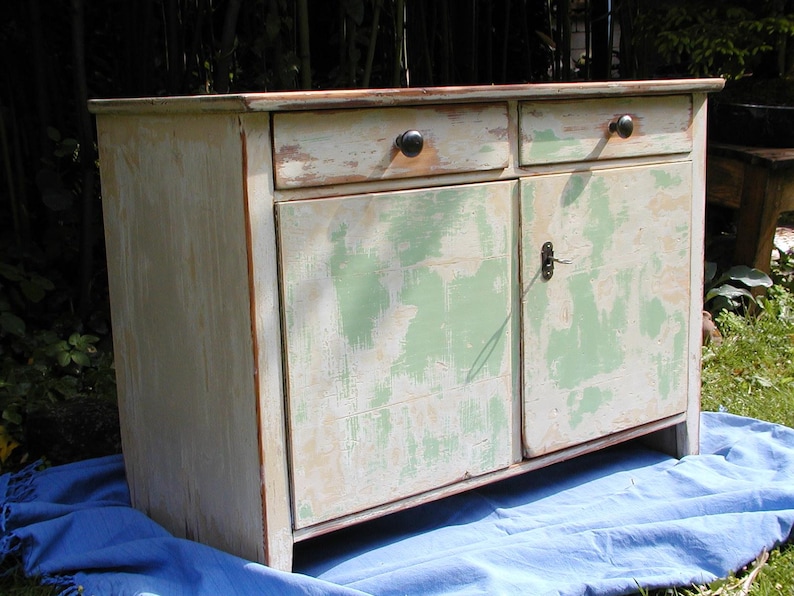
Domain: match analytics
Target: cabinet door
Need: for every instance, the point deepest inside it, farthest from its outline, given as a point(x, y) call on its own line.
point(605, 339)
point(401, 360)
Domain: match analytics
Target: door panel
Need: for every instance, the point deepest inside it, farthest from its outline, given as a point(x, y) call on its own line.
point(605, 338)
point(401, 358)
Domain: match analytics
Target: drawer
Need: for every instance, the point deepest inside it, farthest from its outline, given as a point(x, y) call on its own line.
point(569, 131)
point(341, 146)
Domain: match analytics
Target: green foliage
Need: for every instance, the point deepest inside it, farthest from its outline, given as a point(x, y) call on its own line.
point(752, 372)
point(731, 290)
point(717, 38)
point(45, 359)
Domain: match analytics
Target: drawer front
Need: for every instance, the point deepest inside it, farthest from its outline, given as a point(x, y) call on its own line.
point(608, 332)
point(569, 131)
point(400, 347)
point(341, 146)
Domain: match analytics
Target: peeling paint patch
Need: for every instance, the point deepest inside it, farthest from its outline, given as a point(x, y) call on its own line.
point(664, 179)
point(653, 316)
point(545, 145)
point(586, 402)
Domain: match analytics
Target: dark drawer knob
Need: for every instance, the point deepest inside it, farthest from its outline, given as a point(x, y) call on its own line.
point(624, 127)
point(410, 143)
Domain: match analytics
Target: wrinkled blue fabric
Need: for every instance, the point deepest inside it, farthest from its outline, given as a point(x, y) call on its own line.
point(605, 523)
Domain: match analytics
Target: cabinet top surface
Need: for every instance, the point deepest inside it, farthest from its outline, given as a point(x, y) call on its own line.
point(362, 98)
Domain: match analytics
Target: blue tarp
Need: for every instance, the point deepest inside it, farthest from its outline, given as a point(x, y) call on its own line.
point(604, 523)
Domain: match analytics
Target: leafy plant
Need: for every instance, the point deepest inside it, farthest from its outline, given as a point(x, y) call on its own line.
point(46, 360)
point(730, 39)
point(731, 291)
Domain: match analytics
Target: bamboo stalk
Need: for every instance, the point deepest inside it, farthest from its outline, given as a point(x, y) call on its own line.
point(446, 45)
point(505, 38)
point(399, 39)
point(426, 53)
point(303, 44)
point(87, 157)
point(588, 41)
point(373, 39)
point(12, 197)
point(564, 7)
point(224, 62)
point(473, 38)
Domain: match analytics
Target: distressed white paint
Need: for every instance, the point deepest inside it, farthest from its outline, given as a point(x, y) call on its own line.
point(322, 148)
point(178, 272)
point(210, 428)
point(394, 388)
point(608, 333)
point(568, 131)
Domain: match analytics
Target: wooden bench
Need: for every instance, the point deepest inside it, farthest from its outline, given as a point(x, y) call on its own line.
point(759, 182)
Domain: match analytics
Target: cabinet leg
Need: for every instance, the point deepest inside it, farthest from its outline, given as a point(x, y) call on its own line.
point(678, 440)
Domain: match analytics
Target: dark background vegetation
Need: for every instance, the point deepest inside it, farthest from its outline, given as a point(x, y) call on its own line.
point(57, 393)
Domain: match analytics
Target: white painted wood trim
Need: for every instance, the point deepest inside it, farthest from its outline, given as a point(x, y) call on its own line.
point(266, 330)
point(360, 98)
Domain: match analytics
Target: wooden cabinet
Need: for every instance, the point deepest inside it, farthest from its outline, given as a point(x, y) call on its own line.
point(313, 328)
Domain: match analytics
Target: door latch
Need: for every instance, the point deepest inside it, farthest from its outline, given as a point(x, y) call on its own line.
point(547, 260)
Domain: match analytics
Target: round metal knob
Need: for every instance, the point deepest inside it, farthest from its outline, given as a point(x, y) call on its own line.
point(624, 127)
point(410, 143)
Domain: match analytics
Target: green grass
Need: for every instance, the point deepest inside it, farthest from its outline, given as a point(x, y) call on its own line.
point(14, 583)
point(750, 374)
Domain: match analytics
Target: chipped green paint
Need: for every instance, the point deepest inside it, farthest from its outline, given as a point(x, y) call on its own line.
point(410, 466)
point(652, 316)
point(305, 510)
point(546, 146)
point(352, 431)
point(440, 448)
point(417, 226)
point(601, 221)
point(360, 295)
point(424, 289)
point(498, 417)
point(671, 367)
point(589, 346)
point(588, 402)
point(477, 345)
point(382, 394)
point(383, 430)
point(443, 330)
point(666, 179)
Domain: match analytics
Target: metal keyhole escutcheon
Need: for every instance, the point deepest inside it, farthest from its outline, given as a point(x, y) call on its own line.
point(547, 260)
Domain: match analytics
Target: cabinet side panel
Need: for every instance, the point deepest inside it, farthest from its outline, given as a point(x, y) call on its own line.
point(178, 273)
